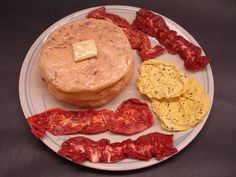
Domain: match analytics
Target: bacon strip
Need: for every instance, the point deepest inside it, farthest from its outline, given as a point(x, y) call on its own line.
point(61, 122)
point(132, 116)
point(155, 144)
point(154, 25)
point(137, 39)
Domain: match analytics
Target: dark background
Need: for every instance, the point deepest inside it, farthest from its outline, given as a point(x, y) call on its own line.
point(212, 153)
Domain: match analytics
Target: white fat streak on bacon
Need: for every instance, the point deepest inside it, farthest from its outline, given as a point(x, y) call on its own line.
point(107, 151)
point(95, 156)
point(79, 148)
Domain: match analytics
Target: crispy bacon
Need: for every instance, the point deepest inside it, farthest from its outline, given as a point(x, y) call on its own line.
point(148, 22)
point(138, 40)
point(155, 144)
point(132, 116)
point(154, 25)
point(61, 122)
point(101, 13)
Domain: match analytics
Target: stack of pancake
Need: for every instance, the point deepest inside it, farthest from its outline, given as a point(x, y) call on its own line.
point(94, 81)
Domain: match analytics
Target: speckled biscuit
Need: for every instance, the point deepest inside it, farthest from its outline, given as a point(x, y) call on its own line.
point(93, 99)
point(92, 79)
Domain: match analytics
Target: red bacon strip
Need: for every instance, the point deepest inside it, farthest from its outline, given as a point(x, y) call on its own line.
point(137, 39)
point(154, 25)
point(61, 122)
point(155, 144)
point(132, 116)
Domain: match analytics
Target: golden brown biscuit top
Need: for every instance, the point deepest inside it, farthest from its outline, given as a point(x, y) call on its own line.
point(113, 61)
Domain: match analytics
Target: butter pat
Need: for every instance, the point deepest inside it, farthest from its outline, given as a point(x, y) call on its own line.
point(84, 50)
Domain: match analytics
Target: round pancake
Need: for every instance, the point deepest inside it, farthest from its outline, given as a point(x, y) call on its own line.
point(112, 63)
point(93, 99)
point(184, 112)
point(161, 79)
point(94, 81)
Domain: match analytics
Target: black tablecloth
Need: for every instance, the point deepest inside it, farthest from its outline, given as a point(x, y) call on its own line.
point(213, 151)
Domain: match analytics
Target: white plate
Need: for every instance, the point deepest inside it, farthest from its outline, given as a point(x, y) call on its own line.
point(35, 97)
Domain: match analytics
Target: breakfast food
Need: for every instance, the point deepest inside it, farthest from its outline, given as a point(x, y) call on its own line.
point(161, 79)
point(88, 62)
point(132, 116)
point(154, 25)
point(84, 50)
point(61, 122)
point(90, 82)
point(184, 112)
point(145, 147)
point(138, 40)
point(179, 101)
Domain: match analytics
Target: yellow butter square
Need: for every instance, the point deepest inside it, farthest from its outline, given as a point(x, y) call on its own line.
point(84, 50)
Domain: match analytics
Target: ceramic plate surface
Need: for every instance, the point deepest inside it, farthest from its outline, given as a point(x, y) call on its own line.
point(36, 98)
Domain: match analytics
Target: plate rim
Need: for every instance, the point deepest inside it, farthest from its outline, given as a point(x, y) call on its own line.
point(100, 166)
